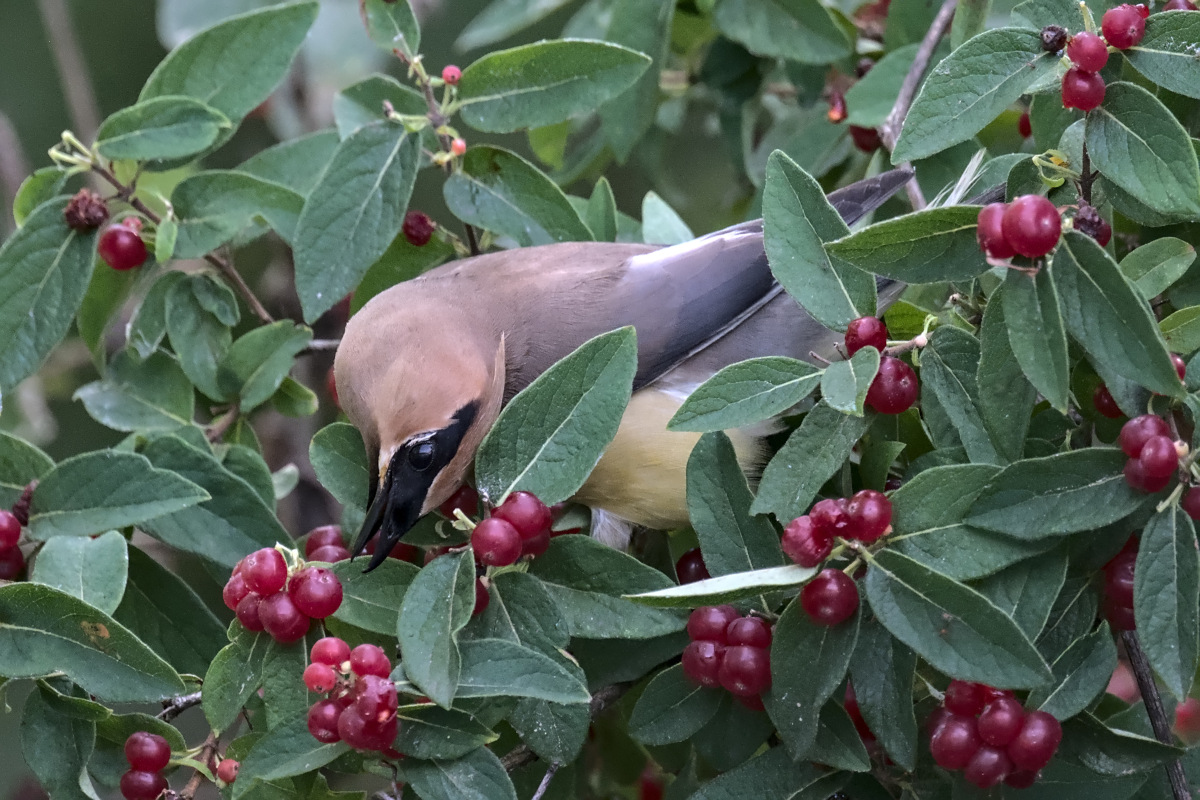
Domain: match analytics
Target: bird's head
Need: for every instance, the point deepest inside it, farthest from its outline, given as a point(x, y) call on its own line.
point(423, 394)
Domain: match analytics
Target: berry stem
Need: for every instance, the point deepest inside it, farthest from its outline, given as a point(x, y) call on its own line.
point(1154, 708)
point(223, 423)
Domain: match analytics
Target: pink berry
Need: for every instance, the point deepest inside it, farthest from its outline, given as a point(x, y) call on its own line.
point(870, 514)
point(865, 139)
point(10, 529)
point(326, 535)
point(1031, 225)
point(330, 554)
point(1180, 365)
point(1036, 742)
point(248, 612)
point(122, 248)
point(1158, 458)
point(147, 751)
point(829, 598)
point(496, 542)
point(375, 698)
point(316, 591)
point(363, 734)
point(990, 233)
point(458, 147)
point(954, 741)
point(702, 662)
point(139, 784)
point(804, 543)
point(331, 651)
point(323, 721)
point(369, 659)
point(320, 678)
point(265, 571)
point(282, 619)
point(895, 387)
point(1137, 431)
point(866, 332)
point(1105, 404)
point(745, 670)
point(1000, 721)
point(526, 513)
point(965, 698)
point(749, 631)
point(1180, 5)
point(831, 516)
point(1123, 26)
point(1088, 52)
point(227, 770)
point(1082, 90)
point(690, 567)
point(451, 74)
point(234, 591)
point(1136, 477)
point(988, 767)
point(709, 623)
point(537, 545)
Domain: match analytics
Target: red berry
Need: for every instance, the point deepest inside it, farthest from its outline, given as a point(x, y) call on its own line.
point(1118, 578)
point(12, 564)
point(375, 699)
point(865, 139)
point(690, 567)
point(850, 703)
point(496, 542)
point(1137, 431)
point(870, 514)
point(122, 248)
point(988, 767)
point(1022, 779)
point(369, 659)
point(1023, 125)
point(965, 698)
point(482, 598)
point(1180, 365)
point(702, 662)
point(234, 591)
point(831, 516)
point(10, 529)
point(1000, 721)
point(866, 332)
point(417, 228)
point(458, 146)
point(830, 597)
point(323, 721)
point(804, 543)
point(147, 751)
point(1088, 52)
point(537, 545)
point(227, 770)
point(1187, 720)
point(526, 513)
point(1180, 5)
point(330, 650)
point(1136, 477)
point(1031, 225)
point(1120, 618)
point(989, 231)
point(320, 678)
point(139, 784)
point(1037, 741)
point(247, 612)
point(709, 623)
point(282, 619)
point(363, 734)
point(265, 571)
point(894, 389)
point(1105, 404)
point(1123, 26)
point(954, 741)
point(1191, 502)
point(316, 591)
point(451, 74)
point(1143, 9)
point(749, 631)
point(745, 670)
point(330, 554)
point(1158, 458)
point(326, 535)
point(1082, 90)
point(466, 499)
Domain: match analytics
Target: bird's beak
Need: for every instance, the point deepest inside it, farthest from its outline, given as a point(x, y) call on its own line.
point(395, 509)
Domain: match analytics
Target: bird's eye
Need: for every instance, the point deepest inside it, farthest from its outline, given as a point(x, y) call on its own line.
point(420, 456)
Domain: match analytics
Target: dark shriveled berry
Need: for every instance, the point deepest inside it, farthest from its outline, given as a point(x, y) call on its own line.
point(1054, 38)
point(1089, 221)
point(417, 228)
point(86, 211)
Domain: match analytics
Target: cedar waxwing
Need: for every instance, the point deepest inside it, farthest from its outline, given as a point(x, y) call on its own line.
point(425, 367)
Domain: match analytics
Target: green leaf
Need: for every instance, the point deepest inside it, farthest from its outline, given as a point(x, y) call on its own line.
point(499, 191)
point(148, 395)
point(1107, 317)
point(371, 600)
point(94, 570)
point(165, 127)
point(808, 662)
point(726, 588)
point(548, 437)
point(870, 99)
point(39, 187)
point(20, 463)
point(948, 368)
point(661, 224)
point(392, 26)
point(256, 364)
point(400, 262)
point(957, 630)
point(800, 30)
point(57, 748)
point(797, 220)
point(1112, 752)
point(479, 775)
point(1035, 331)
point(1166, 54)
point(232, 677)
point(45, 268)
point(1056, 495)
point(838, 744)
point(544, 83)
point(1156, 265)
point(601, 216)
point(1181, 330)
point(845, 383)
point(969, 89)
point(230, 522)
point(810, 456)
point(923, 247)
point(101, 490)
point(1006, 398)
point(1071, 617)
point(200, 312)
point(643, 26)
point(1026, 590)
point(436, 607)
point(296, 163)
point(353, 213)
point(774, 775)
point(521, 610)
point(293, 399)
point(746, 392)
point(339, 458)
point(882, 671)
point(500, 668)
point(1080, 675)
point(1166, 593)
point(154, 602)
point(234, 65)
point(247, 464)
point(731, 539)
point(286, 750)
point(433, 732)
point(214, 206)
point(44, 631)
point(501, 19)
point(1136, 142)
point(362, 103)
point(672, 708)
point(149, 324)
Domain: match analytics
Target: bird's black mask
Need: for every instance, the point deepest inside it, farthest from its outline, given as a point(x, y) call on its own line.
point(395, 507)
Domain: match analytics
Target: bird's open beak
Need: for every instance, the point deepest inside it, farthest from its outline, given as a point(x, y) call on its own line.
point(393, 512)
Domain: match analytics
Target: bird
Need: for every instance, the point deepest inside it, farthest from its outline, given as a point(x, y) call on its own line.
point(425, 367)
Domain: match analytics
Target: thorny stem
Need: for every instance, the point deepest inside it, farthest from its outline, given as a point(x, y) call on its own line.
point(1154, 708)
point(177, 705)
point(521, 756)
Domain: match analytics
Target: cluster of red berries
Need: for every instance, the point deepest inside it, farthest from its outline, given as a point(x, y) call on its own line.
point(1152, 451)
point(326, 544)
point(1118, 587)
point(148, 755)
point(121, 245)
point(520, 526)
point(1082, 87)
point(730, 651)
point(895, 388)
point(865, 517)
point(12, 560)
point(1028, 226)
point(988, 734)
point(256, 593)
point(360, 707)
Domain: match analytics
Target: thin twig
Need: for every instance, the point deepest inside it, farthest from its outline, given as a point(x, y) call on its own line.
point(72, 68)
point(1154, 707)
point(1086, 177)
point(204, 756)
point(177, 705)
point(14, 166)
point(545, 784)
point(521, 755)
point(223, 423)
point(889, 132)
point(472, 239)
